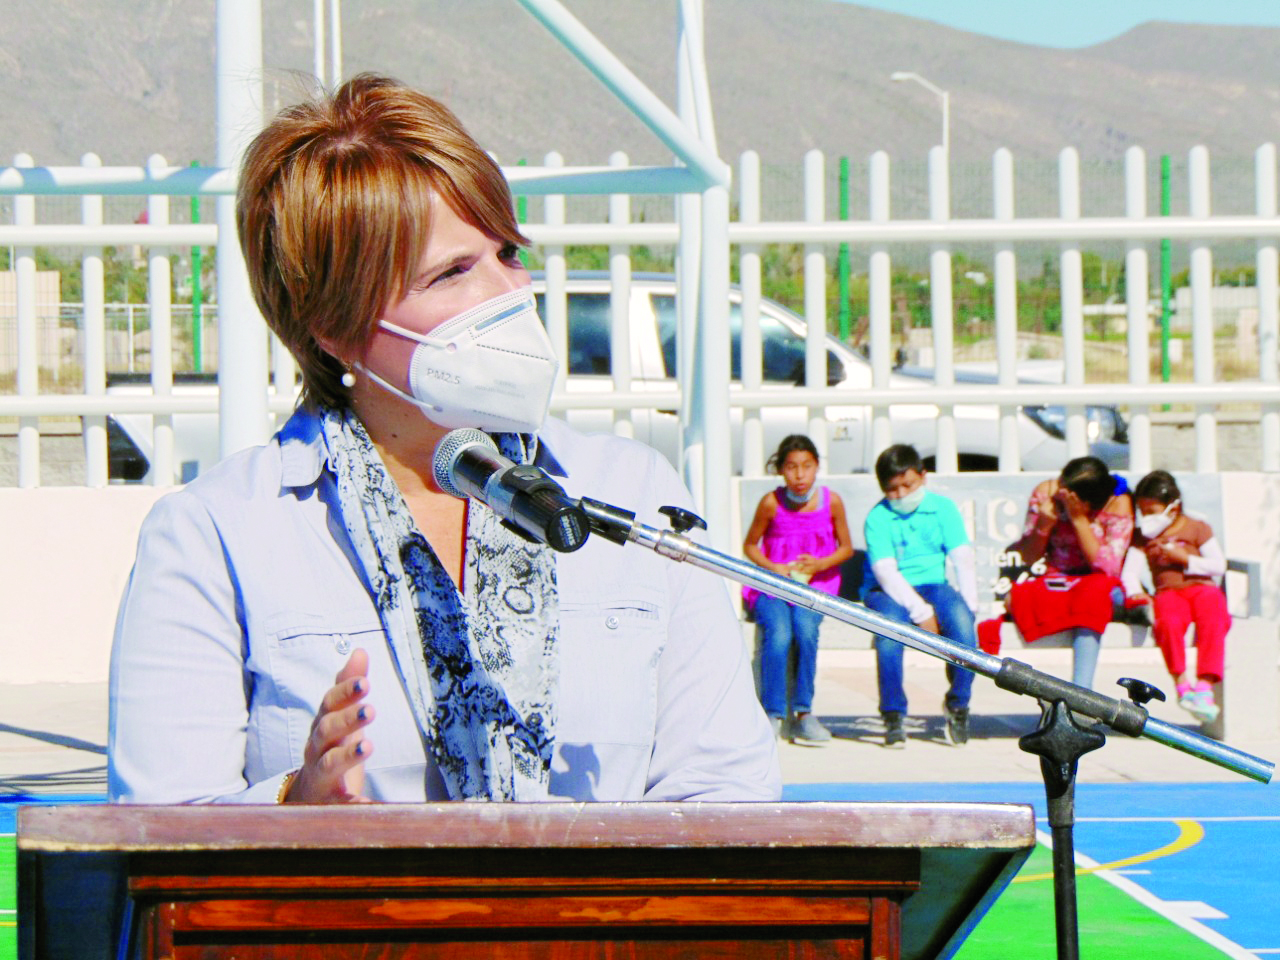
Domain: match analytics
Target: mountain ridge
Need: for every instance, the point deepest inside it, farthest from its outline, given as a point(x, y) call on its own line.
point(87, 75)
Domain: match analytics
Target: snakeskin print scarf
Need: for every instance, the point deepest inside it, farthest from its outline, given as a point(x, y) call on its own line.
point(481, 668)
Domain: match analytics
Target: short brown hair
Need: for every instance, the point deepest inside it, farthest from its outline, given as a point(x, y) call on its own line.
point(333, 213)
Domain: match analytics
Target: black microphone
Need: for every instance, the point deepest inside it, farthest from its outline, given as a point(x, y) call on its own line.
point(467, 464)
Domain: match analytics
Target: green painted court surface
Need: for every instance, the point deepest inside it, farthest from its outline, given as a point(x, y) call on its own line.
point(8, 899)
point(1112, 924)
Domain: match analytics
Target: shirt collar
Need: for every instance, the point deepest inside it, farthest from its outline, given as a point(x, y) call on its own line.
point(545, 459)
point(302, 451)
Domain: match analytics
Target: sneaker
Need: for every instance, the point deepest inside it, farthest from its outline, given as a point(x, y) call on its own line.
point(1200, 704)
point(776, 723)
point(957, 729)
point(894, 736)
point(807, 729)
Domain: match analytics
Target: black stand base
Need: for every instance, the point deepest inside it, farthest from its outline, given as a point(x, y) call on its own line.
point(1060, 742)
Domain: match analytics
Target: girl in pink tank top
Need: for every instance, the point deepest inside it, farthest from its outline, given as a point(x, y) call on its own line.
point(799, 530)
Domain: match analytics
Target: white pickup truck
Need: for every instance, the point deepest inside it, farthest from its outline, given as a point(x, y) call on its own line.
point(653, 328)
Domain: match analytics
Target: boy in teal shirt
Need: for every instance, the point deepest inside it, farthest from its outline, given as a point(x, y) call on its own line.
point(910, 534)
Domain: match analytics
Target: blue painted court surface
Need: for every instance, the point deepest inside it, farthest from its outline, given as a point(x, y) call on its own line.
point(1214, 848)
point(9, 806)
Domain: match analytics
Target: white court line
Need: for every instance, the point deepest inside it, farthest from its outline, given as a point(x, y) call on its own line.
point(1193, 927)
point(1197, 910)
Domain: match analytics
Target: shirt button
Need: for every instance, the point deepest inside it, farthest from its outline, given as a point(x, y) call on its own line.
point(344, 645)
point(611, 623)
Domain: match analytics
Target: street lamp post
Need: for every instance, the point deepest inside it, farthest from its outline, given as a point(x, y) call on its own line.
point(941, 94)
point(335, 43)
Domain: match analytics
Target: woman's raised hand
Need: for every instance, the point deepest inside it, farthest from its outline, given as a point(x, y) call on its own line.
point(1076, 509)
point(1048, 508)
point(333, 760)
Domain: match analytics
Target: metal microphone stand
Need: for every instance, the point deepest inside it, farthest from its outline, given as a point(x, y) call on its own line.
point(1060, 740)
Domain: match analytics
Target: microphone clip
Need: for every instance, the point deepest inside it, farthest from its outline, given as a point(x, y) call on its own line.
point(528, 479)
point(560, 521)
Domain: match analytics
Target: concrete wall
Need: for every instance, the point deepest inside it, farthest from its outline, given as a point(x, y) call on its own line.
point(69, 551)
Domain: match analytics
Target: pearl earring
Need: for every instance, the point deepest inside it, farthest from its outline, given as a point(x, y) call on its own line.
point(348, 379)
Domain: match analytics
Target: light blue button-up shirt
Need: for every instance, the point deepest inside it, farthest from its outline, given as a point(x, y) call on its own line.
point(245, 600)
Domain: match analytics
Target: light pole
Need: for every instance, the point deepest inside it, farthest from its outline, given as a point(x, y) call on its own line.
point(941, 94)
point(335, 43)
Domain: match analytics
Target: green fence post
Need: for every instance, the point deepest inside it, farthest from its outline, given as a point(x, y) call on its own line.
point(522, 210)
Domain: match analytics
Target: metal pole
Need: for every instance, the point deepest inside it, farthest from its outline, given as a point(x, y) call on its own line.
point(242, 336)
point(22, 261)
point(678, 136)
point(95, 340)
point(842, 262)
point(1268, 265)
point(943, 95)
point(335, 42)
point(197, 291)
point(1166, 281)
point(317, 18)
point(946, 123)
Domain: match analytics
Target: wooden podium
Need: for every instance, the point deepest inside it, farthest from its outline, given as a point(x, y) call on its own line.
point(527, 881)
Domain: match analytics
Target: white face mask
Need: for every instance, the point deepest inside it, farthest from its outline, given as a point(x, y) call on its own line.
point(908, 502)
point(490, 367)
point(1151, 525)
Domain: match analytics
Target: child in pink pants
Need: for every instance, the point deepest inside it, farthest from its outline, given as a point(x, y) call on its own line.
point(1186, 563)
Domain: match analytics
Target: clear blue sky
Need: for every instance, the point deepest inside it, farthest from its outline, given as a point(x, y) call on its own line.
point(1077, 23)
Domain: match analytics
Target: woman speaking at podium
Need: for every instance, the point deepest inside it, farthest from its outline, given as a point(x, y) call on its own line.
point(314, 620)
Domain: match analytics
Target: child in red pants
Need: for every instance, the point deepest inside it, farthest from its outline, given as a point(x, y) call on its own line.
point(1186, 563)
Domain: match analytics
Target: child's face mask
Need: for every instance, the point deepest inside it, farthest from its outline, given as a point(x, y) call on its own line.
point(908, 503)
point(491, 367)
point(1151, 525)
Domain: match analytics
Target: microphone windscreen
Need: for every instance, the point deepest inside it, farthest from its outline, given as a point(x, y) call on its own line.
point(449, 449)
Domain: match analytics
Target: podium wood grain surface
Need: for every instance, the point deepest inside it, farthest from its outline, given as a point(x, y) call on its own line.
point(526, 881)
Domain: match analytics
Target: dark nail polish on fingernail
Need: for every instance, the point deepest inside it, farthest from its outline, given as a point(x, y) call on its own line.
point(362, 714)
point(358, 686)
point(360, 749)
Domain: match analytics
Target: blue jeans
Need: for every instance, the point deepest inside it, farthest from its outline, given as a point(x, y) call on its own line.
point(1085, 644)
point(781, 625)
point(955, 622)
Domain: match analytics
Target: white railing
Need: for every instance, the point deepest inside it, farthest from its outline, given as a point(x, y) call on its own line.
point(879, 235)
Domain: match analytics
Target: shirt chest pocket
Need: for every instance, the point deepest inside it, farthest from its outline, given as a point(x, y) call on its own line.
point(301, 664)
point(609, 656)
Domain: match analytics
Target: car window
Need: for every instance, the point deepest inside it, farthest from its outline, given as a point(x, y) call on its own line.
point(783, 351)
point(589, 321)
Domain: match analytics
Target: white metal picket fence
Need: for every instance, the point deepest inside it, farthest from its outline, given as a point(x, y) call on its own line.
point(879, 237)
